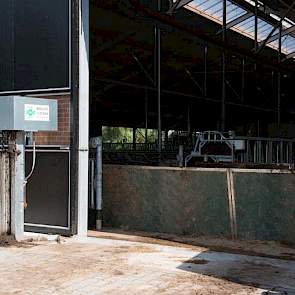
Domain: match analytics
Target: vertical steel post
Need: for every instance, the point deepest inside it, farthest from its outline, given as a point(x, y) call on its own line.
point(180, 156)
point(146, 116)
point(243, 81)
point(134, 138)
point(158, 77)
point(223, 110)
point(279, 78)
point(188, 119)
point(205, 69)
point(256, 26)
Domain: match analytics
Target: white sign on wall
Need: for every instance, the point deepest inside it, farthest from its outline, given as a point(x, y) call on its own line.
point(34, 112)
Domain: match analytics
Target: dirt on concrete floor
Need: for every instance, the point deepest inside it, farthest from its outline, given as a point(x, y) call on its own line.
point(114, 266)
point(268, 249)
point(9, 241)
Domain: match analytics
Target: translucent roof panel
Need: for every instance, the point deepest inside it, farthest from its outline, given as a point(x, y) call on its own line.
point(233, 12)
point(246, 27)
point(288, 44)
point(213, 9)
point(264, 29)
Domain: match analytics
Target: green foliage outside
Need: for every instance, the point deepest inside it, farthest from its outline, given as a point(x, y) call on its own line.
point(125, 135)
point(152, 135)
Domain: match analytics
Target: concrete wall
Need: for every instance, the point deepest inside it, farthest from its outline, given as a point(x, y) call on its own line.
point(265, 205)
point(248, 204)
point(4, 194)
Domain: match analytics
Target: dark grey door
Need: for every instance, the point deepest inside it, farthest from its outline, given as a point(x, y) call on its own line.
point(48, 192)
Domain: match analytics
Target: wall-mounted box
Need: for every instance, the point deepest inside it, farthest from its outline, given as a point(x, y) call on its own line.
point(20, 113)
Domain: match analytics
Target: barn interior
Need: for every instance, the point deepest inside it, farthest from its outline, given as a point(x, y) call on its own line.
point(183, 68)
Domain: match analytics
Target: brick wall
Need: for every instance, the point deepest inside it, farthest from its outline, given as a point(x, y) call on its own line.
point(62, 136)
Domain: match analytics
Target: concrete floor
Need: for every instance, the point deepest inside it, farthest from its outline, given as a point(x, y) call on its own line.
point(108, 266)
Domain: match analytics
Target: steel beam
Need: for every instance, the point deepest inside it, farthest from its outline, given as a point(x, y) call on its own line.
point(143, 69)
point(284, 33)
point(250, 8)
point(195, 81)
point(182, 94)
point(232, 88)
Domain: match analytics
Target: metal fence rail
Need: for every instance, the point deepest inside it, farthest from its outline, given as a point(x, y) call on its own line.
point(127, 147)
point(255, 150)
point(267, 151)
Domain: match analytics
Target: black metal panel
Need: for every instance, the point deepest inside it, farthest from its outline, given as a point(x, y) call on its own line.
point(47, 192)
point(35, 45)
point(7, 45)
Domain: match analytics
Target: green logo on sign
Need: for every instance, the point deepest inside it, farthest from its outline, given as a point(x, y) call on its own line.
point(30, 113)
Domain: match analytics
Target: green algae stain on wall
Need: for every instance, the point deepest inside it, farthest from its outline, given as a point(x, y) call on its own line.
point(177, 201)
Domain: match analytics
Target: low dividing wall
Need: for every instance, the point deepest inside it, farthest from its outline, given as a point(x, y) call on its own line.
point(247, 204)
point(265, 205)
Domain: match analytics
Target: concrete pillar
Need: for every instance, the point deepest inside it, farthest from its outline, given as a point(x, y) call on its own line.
point(16, 144)
point(83, 146)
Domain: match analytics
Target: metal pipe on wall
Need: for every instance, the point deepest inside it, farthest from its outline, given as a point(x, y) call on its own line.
point(98, 182)
point(99, 174)
point(96, 178)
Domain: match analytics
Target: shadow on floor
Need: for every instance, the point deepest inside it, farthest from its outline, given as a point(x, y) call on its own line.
point(273, 275)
